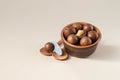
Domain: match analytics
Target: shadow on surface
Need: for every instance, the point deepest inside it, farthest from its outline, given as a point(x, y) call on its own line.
point(106, 53)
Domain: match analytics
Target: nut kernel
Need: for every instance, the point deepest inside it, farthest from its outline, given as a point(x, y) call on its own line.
point(80, 33)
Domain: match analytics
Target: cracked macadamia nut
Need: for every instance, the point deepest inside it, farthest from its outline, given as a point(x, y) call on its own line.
point(69, 30)
point(93, 35)
point(66, 32)
point(73, 30)
point(49, 47)
point(78, 26)
point(88, 27)
point(72, 39)
point(85, 41)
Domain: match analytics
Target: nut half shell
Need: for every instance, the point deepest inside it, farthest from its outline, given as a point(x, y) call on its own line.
point(64, 56)
point(44, 52)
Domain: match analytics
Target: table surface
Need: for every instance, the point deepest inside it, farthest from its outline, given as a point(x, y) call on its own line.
point(26, 25)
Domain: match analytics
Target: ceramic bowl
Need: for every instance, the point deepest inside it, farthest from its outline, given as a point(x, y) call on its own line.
point(80, 51)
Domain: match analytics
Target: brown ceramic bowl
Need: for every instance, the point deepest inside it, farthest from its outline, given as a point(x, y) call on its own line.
point(80, 51)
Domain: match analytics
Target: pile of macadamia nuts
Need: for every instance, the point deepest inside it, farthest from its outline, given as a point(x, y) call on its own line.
point(80, 34)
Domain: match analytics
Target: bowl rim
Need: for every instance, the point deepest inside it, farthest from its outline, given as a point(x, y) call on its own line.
point(75, 46)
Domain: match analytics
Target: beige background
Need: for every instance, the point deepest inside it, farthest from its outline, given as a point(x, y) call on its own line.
point(26, 25)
